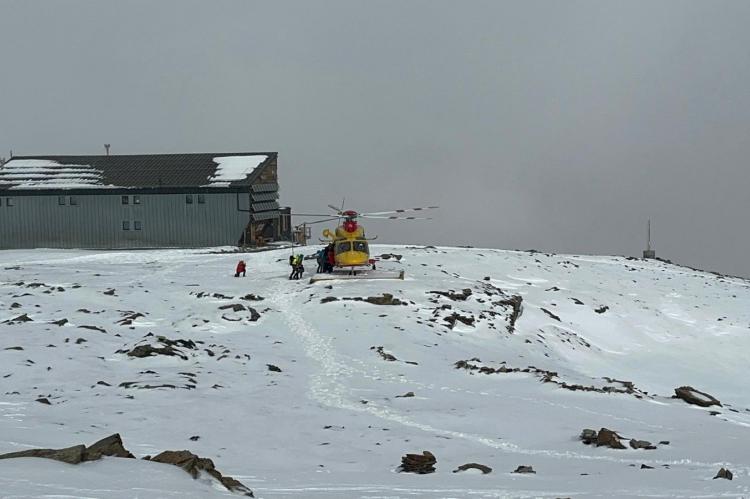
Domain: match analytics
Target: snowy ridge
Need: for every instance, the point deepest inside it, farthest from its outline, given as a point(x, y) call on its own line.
point(303, 391)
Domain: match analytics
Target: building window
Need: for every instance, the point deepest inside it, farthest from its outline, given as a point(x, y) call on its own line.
point(136, 200)
point(124, 200)
point(201, 199)
point(61, 200)
point(9, 202)
point(137, 225)
point(73, 201)
point(189, 198)
point(126, 225)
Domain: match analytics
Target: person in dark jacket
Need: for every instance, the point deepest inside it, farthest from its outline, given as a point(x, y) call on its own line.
point(292, 259)
point(240, 269)
point(331, 258)
point(321, 258)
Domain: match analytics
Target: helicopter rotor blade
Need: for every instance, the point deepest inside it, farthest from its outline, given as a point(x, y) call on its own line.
point(312, 214)
point(320, 221)
point(393, 217)
point(334, 208)
point(400, 211)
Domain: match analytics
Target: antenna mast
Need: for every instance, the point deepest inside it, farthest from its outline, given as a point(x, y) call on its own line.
point(649, 253)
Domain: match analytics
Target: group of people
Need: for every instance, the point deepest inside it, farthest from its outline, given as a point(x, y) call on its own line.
point(295, 261)
point(326, 258)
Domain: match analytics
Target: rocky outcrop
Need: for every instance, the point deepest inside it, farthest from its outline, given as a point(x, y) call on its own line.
point(695, 397)
point(725, 474)
point(109, 446)
point(453, 295)
point(194, 465)
point(418, 463)
point(473, 466)
point(112, 446)
point(641, 444)
point(385, 355)
point(524, 469)
point(164, 346)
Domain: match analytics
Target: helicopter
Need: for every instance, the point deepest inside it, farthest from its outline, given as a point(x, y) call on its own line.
point(351, 246)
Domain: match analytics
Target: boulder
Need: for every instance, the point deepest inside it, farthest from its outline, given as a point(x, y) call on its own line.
point(418, 463)
point(641, 444)
point(476, 466)
point(109, 446)
point(524, 469)
point(695, 397)
point(609, 438)
point(386, 299)
point(724, 473)
point(588, 436)
point(194, 464)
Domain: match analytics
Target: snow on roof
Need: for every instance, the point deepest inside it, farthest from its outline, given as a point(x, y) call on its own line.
point(49, 174)
point(233, 168)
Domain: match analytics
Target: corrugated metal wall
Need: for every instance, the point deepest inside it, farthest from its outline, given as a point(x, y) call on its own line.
point(96, 221)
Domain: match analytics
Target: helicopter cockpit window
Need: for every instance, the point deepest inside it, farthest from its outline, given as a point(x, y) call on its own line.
point(344, 246)
point(360, 246)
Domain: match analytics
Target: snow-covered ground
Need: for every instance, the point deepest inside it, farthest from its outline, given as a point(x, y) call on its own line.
point(331, 424)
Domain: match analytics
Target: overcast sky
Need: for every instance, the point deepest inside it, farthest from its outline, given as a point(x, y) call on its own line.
point(555, 125)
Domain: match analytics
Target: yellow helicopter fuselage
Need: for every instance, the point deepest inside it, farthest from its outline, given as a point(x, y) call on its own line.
point(350, 248)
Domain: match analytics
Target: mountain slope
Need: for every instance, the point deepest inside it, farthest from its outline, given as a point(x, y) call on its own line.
point(331, 422)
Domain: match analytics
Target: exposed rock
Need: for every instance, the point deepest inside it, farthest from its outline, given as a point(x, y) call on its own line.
point(641, 444)
point(524, 469)
point(696, 397)
point(60, 322)
point(462, 296)
point(723, 473)
point(94, 328)
point(109, 446)
point(476, 466)
point(609, 438)
point(646, 467)
point(385, 355)
point(386, 299)
point(252, 297)
point(142, 351)
point(388, 256)
point(515, 303)
point(70, 455)
point(194, 464)
point(405, 395)
point(418, 463)
point(109, 292)
point(20, 318)
point(13, 348)
point(456, 317)
point(236, 307)
point(44, 400)
point(588, 436)
point(551, 315)
point(601, 309)
point(273, 368)
point(328, 299)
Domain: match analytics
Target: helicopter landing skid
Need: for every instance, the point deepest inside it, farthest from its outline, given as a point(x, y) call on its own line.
point(359, 274)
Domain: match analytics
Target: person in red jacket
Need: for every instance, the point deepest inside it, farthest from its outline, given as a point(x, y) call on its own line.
point(240, 269)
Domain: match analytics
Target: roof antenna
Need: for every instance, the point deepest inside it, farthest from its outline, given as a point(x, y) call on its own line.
point(649, 253)
point(106, 147)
